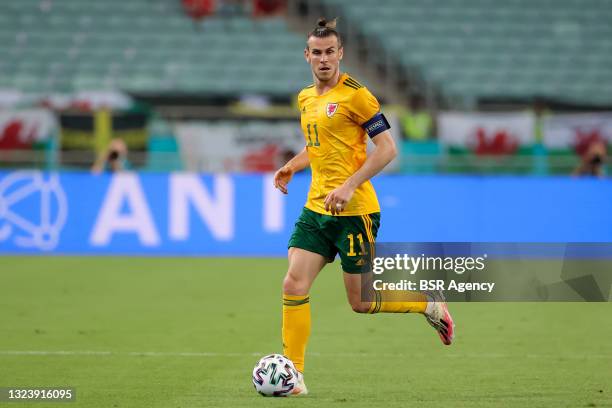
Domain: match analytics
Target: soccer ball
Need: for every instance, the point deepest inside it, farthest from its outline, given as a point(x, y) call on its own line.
point(274, 376)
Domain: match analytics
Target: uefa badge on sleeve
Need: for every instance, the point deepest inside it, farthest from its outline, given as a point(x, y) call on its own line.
point(331, 109)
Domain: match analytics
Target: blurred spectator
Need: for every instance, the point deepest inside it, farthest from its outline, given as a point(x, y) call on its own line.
point(417, 123)
point(593, 160)
point(263, 8)
point(198, 9)
point(113, 159)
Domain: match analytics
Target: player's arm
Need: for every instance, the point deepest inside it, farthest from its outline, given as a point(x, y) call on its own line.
point(384, 152)
point(365, 111)
point(283, 176)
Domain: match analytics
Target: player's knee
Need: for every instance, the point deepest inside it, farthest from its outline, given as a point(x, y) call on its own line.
point(360, 307)
point(293, 285)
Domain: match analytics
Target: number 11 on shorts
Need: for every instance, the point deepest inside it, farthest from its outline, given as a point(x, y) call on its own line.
point(351, 251)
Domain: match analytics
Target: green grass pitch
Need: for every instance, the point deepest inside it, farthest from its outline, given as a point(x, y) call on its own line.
point(186, 332)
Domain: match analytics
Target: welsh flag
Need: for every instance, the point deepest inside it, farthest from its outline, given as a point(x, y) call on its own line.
point(24, 129)
point(486, 134)
point(575, 131)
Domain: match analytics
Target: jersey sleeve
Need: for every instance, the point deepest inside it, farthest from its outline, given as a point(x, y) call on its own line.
point(299, 100)
point(296, 103)
point(364, 106)
point(366, 112)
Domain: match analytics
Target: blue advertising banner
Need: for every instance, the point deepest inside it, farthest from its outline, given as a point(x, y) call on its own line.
point(242, 215)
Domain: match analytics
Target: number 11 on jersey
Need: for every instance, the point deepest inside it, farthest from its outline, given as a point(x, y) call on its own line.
point(316, 132)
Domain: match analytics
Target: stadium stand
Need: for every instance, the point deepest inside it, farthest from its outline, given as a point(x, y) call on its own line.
point(517, 54)
point(479, 48)
point(144, 46)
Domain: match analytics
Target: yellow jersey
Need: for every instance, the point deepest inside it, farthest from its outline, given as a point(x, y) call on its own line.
point(336, 142)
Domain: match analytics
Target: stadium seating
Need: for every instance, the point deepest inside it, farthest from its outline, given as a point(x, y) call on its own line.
point(143, 46)
point(480, 48)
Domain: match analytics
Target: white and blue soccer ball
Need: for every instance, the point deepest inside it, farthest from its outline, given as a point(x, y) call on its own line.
point(275, 376)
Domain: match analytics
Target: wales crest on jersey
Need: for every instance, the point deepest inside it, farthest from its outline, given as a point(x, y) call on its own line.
point(331, 109)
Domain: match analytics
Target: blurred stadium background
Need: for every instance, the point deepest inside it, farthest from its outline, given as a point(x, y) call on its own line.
point(519, 87)
point(494, 105)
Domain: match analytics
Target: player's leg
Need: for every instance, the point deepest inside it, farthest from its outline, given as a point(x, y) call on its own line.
point(356, 242)
point(304, 266)
point(432, 305)
point(355, 245)
point(364, 299)
point(309, 251)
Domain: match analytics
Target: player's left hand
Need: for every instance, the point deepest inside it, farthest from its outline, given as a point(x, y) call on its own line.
point(337, 199)
point(282, 177)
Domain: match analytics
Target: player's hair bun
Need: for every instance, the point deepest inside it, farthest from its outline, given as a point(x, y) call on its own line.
point(323, 23)
point(324, 29)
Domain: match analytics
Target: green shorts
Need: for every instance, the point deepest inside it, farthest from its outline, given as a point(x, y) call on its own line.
point(329, 235)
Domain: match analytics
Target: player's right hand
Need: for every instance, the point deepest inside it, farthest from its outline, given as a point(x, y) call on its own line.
point(282, 177)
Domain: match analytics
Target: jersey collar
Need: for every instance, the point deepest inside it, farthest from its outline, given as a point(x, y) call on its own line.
point(341, 79)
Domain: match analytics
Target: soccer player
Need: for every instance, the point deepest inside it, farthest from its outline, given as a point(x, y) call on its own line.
point(341, 212)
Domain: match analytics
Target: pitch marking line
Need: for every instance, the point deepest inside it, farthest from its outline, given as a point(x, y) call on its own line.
point(257, 354)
